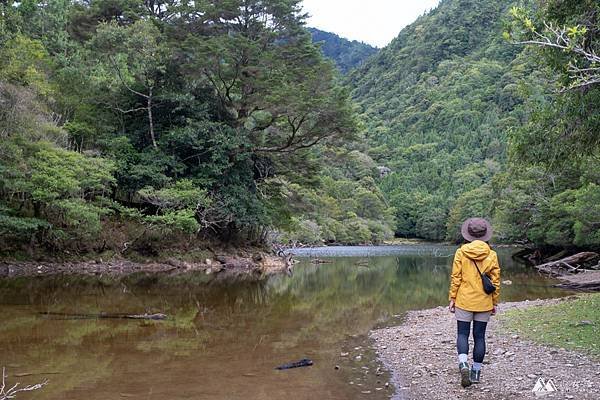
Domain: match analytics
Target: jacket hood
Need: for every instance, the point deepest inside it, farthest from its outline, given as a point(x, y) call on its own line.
point(476, 250)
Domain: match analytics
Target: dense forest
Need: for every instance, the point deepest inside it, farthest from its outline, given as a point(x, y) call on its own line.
point(473, 119)
point(142, 125)
point(133, 124)
point(347, 54)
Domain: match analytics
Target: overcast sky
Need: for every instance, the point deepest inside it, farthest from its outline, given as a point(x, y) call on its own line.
point(375, 22)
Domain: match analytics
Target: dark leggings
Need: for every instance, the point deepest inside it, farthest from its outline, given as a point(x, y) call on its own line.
point(462, 340)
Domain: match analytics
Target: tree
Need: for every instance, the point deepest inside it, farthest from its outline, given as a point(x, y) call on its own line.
point(137, 59)
point(568, 29)
point(271, 82)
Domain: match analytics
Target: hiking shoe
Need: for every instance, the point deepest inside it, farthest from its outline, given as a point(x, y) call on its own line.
point(465, 374)
point(475, 376)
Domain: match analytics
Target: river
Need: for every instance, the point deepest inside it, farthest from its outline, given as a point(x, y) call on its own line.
point(223, 339)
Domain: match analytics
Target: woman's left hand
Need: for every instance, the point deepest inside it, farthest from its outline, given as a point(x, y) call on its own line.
point(494, 310)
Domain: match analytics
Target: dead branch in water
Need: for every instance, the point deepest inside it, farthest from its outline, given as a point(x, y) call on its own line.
point(11, 392)
point(158, 316)
point(571, 264)
point(588, 281)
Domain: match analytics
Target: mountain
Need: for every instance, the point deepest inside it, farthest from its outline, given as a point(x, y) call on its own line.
point(438, 102)
point(345, 53)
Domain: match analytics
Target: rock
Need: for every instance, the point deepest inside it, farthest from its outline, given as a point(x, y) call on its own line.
point(507, 282)
point(342, 354)
point(515, 337)
point(585, 322)
point(337, 367)
point(531, 376)
point(384, 171)
point(358, 358)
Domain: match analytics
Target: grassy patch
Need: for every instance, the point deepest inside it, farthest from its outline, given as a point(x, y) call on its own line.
point(573, 324)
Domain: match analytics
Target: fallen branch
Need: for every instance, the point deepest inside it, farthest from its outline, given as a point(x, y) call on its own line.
point(11, 393)
point(588, 281)
point(571, 264)
point(155, 317)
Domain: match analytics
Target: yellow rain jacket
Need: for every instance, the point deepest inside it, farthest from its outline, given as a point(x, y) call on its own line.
point(466, 287)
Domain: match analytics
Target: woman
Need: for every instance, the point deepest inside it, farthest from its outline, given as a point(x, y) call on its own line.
point(468, 300)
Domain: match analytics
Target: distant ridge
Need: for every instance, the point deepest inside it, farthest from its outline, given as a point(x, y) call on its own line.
point(347, 54)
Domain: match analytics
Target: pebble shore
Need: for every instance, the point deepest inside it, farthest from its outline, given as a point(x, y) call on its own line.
point(421, 356)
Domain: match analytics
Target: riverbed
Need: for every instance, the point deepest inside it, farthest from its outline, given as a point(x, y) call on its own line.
point(223, 339)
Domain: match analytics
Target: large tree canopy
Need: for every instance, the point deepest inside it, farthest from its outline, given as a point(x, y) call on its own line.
point(197, 115)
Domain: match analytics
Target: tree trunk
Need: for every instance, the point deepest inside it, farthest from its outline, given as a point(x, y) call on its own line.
point(571, 264)
point(150, 121)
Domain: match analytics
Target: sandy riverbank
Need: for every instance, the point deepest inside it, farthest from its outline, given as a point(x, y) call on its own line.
point(421, 355)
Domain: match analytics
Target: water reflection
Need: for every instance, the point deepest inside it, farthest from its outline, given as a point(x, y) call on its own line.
point(224, 339)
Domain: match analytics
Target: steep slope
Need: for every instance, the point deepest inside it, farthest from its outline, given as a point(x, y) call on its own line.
point(347, 54)
point(438, 102)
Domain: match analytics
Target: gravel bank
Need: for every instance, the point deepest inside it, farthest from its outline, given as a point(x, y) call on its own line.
point(421, 356)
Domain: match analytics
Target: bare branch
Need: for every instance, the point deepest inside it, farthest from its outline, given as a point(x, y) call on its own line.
point(558, 38)
point(12, 392)
point(120, 75)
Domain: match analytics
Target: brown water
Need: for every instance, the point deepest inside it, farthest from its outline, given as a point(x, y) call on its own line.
point(223, 340)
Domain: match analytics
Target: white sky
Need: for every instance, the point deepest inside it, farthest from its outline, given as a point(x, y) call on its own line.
point(375, 22)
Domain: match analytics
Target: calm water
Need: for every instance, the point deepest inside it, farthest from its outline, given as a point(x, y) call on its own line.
point(224, 340)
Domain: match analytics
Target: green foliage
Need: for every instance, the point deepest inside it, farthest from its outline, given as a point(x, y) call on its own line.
point(552, 194)
point(224, 119)
point(50, 193)
point(438, 102)
point(475, 203)
point(177, 206)
point(346, 54)
point(25, 61)
point(183, 117)
point(346, 207)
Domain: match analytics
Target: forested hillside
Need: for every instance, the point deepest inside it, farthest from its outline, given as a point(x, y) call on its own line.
point(135, 125)
point(347, 54)
point(439, 100)
point(141, 125)
point(443, 100)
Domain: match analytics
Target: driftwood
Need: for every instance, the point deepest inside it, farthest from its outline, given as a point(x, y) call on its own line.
point(588, 281)
point(557, 256)
point(581, 287)
point(571, 264)
point(319, 261)
point(305, 362)
point(155, 317)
